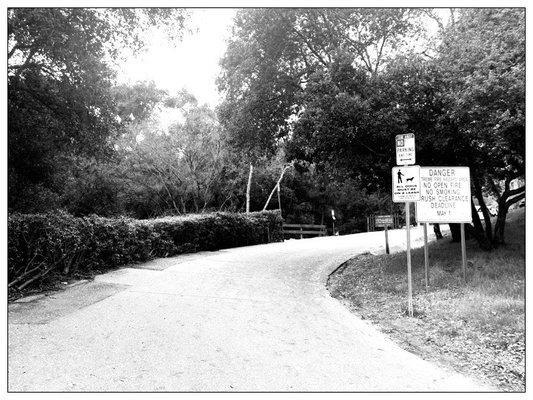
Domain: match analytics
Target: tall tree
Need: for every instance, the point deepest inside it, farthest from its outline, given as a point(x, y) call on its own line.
point(273, 53)
point(60, 102)
point(483, 59)
point(466, 106)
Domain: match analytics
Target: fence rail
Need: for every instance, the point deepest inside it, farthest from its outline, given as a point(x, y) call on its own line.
point(304, 229)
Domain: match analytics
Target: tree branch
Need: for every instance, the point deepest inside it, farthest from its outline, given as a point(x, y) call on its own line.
point(494, 188)
point(24, 65)
point(516, 191)
point(378, 59)
point(516, 199)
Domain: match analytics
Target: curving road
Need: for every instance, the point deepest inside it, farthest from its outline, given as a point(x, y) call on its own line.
point(246, 319)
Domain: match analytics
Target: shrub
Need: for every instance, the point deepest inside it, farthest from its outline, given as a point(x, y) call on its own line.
point(60, 243)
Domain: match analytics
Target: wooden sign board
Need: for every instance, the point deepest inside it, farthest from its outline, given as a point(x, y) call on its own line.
point(384, 221)
point(444, 195)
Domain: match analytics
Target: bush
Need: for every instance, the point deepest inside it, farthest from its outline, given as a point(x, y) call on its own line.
point(60, 243)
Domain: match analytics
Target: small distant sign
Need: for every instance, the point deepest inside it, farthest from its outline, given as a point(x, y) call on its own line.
point(406, 184)
point(405, 149)
point(333, 215)
point(384, 221)
point(444, 195)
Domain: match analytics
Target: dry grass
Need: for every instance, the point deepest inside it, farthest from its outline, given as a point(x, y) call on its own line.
point(476, 329)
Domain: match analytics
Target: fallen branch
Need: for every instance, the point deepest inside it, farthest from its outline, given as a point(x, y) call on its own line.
point(36, 277)
point(24, 275)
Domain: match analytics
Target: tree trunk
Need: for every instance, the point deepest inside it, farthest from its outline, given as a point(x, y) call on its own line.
point(507, 199)
point(499, 228)
point(248, 188)
point(455, 230)
point(436, 230)
point(477, 231)
point(277, 184)
point(279, 202)
point(484, 209)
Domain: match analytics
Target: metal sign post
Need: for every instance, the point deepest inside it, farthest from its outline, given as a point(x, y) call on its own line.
point(463, 250)
point(409, 284)
point(387, 241)
point(406, 188)
point(426, 256)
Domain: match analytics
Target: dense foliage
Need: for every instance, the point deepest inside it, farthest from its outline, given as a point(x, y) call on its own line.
point(317, 93)
point(333, 87)
point(41, 245)
point(61, 102)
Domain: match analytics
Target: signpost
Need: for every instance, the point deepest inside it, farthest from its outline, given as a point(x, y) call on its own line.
point(445, 198)
point(385, 221)
point(426, 256)
point(441, 195)
point(405, 149)
point(406, 188)
point(405, 184)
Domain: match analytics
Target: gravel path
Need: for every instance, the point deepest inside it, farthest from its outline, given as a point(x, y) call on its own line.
point(245, 319)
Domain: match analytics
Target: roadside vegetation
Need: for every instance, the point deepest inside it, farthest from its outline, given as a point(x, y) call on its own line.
point(323, 91)
point(46, 249)
point(477, 329)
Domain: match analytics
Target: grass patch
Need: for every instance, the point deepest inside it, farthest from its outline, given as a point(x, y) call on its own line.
point(476, 329)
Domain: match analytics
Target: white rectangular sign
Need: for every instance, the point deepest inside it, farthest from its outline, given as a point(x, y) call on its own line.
point(405, 184)
point(405, 149)
point(444, 195)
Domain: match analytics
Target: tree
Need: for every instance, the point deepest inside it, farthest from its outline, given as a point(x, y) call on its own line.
point(337, 127)
point(182, 166)
point(483, 59)
point(273, 53)
point(138, 101)
point(198, 141)
point(60, 102)
point(466, 106)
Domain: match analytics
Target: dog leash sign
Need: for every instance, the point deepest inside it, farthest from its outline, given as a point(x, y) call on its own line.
point(406, 183)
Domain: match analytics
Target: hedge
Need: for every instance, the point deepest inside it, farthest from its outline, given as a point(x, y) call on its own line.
point(58, 243)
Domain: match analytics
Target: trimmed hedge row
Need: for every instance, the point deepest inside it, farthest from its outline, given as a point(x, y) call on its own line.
point(60, 243)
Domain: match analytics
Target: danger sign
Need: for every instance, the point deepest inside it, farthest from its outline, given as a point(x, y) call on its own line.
point(405, 184)
point(444, 195)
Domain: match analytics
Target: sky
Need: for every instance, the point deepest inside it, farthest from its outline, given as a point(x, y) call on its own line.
point(192, 64)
